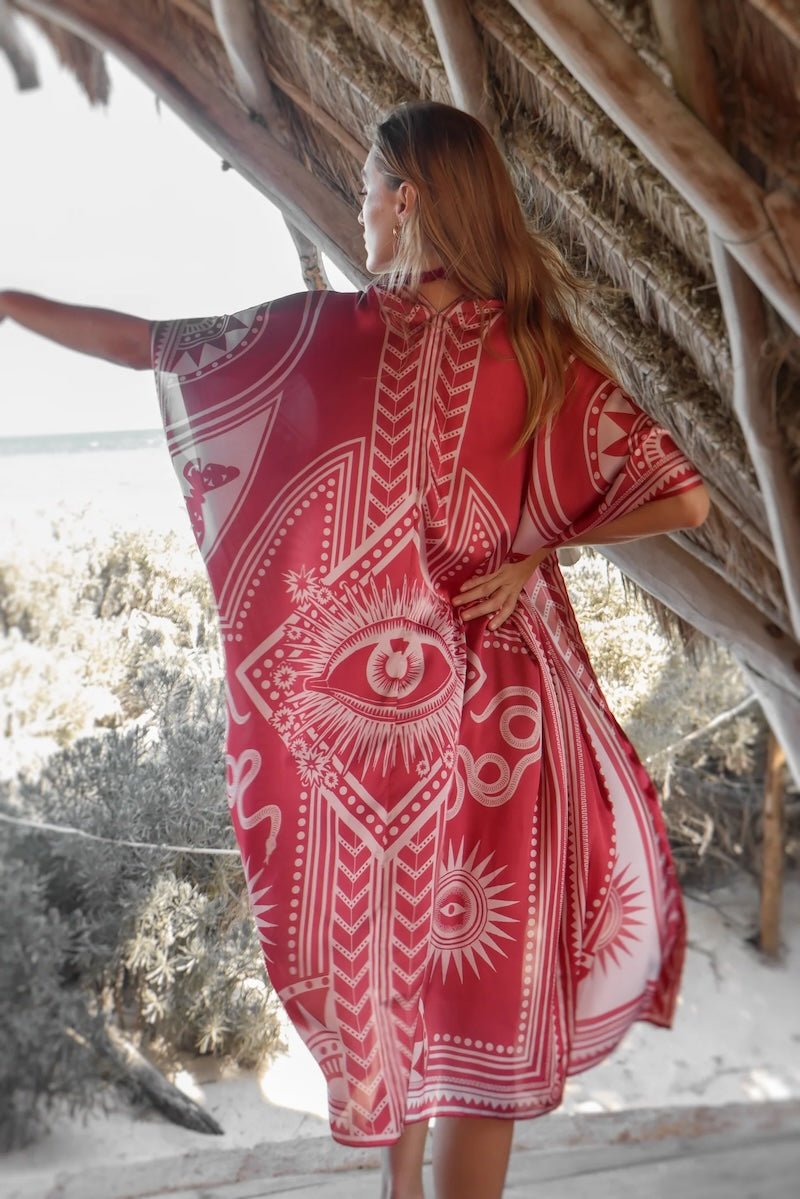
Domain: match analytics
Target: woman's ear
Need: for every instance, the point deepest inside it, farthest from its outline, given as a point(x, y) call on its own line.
point(406, 198)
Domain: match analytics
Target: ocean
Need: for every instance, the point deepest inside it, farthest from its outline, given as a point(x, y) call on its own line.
point(105, 479)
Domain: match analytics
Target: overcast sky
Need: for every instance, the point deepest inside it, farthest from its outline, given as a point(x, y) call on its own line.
point(125, 208)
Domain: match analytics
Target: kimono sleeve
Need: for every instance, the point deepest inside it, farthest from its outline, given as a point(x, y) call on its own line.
point(600, 458)
point(220, 382)
point(196, 359)
point(201, 362)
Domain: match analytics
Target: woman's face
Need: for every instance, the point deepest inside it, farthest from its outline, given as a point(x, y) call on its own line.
point(382, 211)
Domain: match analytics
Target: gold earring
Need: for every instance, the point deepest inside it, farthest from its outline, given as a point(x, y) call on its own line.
point(396, 232)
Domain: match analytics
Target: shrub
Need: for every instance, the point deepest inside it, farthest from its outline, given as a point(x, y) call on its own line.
point(157, 941)
point(47, 1031)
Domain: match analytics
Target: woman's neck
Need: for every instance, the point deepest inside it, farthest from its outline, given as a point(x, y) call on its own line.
point(440, 293)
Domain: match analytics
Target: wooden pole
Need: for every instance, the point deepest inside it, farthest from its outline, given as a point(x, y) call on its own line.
point(671, 138)
point(310, 257)
point(462, 55)
point(772, 849)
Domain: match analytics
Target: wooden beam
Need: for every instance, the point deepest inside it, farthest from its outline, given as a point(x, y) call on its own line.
point(754, 405)
point(779, 18)
point(785, 216)
point(781, 713)
point(238, 28)
point(16, 49)
point(675, 141)
point(684, 45)
point(772, 850)
point(140, 40)
point(687, 56)
point(463, 59)
point(710, 604)
point(311, 263)
point(319, 115)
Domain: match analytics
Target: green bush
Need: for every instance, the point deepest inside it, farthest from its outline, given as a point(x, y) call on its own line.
point(47, 1031)
point(156, 941)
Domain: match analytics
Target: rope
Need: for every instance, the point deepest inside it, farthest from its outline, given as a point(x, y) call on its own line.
point(697, 733)
point(66, 830)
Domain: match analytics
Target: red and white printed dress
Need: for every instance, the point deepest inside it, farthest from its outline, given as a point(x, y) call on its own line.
point(456, 863)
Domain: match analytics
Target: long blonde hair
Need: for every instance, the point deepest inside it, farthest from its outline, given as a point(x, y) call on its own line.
point(468, 216)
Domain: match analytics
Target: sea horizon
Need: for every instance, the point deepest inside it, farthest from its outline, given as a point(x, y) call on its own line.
point(97, 480)
point(97, 441)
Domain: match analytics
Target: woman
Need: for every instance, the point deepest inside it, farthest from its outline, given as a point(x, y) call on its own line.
point(457, 865)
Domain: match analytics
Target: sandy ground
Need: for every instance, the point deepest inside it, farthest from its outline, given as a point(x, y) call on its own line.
point(736, 1038)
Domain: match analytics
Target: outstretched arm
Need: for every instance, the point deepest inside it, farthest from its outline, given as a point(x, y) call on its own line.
point(115, 336)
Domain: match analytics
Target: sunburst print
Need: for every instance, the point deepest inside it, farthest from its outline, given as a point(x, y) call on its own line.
point(313, 764)
point(302, 585)
point(619, 919)
point(259, 908)
point(469, 912)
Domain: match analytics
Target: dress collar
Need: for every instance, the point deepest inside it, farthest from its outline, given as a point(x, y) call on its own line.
point(406, 310)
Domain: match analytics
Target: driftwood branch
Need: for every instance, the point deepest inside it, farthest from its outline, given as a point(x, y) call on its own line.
point(311, 263)
point(709, 726)
point(142, 1081)
point(238, 29)
point(708, 603)
point(672, 138)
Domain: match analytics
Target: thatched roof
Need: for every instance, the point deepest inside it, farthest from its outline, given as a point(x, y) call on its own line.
point(635, 128)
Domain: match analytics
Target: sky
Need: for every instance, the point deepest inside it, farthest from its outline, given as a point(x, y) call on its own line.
point(121, 207)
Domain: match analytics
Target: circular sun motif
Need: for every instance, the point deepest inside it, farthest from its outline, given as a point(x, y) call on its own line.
point(468, 912)
point(206, 340)
point(257, 896)
point(616, 927)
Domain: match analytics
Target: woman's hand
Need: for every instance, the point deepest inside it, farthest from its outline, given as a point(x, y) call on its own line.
point(497, 593)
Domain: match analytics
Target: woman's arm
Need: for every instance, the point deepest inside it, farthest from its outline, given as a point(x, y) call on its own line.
point(498, 592)
point(684, 511)
point(115, 336)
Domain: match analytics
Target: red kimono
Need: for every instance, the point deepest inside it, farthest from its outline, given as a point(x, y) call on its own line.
point(457, 865)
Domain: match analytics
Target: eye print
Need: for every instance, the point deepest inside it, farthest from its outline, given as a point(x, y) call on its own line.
point(391, 670)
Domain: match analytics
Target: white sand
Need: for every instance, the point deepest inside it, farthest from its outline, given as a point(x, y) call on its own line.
point(736, 1038)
